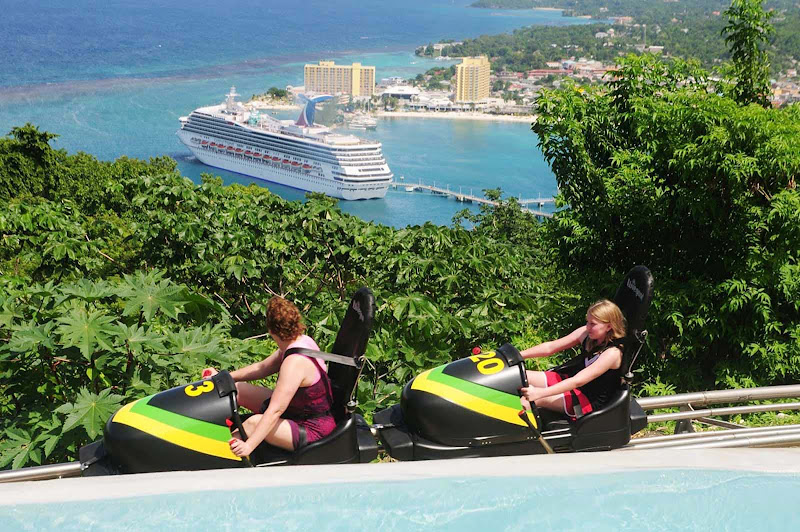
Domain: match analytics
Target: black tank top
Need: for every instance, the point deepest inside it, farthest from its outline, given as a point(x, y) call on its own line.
point(599, 390)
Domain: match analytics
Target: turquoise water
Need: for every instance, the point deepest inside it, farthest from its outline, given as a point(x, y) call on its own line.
point(644, 500)
point(112, 78)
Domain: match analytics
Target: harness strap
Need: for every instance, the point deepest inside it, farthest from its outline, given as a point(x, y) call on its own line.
point(577, 408)
point(327, 357)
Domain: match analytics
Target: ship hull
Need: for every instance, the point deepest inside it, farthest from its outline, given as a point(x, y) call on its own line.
point(282, 174)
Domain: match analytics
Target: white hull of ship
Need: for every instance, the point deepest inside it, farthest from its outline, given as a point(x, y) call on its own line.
point(287, 176)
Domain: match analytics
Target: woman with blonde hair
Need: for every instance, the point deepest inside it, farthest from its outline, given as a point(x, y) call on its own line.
point(298, 410)
point(593, 382)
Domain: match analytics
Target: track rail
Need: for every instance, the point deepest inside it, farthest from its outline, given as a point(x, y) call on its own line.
point(732, 435)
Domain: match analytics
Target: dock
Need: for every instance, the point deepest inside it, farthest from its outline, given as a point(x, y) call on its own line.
point(471, 198)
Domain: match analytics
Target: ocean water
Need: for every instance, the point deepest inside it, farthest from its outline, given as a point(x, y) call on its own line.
point(112, 78)
point(641, 500)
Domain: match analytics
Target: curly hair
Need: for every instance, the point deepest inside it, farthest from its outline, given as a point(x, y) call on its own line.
point(284, 320)
point(606, 311)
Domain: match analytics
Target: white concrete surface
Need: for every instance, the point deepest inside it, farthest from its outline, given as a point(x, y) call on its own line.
point(784, 461)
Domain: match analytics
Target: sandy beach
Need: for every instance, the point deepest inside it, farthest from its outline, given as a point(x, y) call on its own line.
point(259, 104)
point(455, 116)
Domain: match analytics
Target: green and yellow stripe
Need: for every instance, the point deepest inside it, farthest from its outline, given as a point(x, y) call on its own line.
point(487, 401)
point(194, 434)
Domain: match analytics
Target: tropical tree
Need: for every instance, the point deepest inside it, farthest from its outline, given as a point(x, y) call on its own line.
point(747, 36)
point(662, 171)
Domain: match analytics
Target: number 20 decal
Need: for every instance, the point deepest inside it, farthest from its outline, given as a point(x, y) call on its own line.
point(488, 363)
point(194, 391)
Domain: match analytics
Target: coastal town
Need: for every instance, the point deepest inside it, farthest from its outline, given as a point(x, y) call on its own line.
point(472, 92)
point(486, 87)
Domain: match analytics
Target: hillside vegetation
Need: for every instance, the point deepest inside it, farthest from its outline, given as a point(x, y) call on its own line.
point(120, 279)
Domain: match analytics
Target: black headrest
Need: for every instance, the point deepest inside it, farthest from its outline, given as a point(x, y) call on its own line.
point(633, 297)
point(351, 342)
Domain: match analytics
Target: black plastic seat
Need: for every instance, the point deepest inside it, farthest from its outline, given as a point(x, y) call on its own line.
point(351, 441)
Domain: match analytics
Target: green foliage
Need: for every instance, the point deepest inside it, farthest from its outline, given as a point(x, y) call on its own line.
point(90, 411)
point(661, 171)
point(747, 34)
point(118, 280)
point(275, 92)
point(134, 288)
point(687, 29)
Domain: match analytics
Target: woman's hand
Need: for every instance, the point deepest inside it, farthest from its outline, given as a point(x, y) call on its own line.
point(208, 373)
point(240, 448)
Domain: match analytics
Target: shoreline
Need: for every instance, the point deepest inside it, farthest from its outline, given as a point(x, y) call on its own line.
point(484, 117)
point(258, 104)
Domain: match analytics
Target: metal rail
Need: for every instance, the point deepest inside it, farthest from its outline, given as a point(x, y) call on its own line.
point(771, 440)
point(45, 472)
point(739, 395)
point(726, 411)
point(691, 438)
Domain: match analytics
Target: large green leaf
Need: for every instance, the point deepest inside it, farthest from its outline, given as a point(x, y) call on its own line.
point(88, 290)
point(30, 336)
point(86, 330)
point(90, 410)
point(148, 293)
point(136, 338)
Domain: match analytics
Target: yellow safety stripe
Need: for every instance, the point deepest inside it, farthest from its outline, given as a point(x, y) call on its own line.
point(179, 437)
point(468, 401)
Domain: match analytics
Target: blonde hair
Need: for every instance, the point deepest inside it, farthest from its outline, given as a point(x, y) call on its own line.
point(606, 311)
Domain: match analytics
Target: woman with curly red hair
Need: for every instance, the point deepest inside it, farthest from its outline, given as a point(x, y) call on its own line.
point(298, 410)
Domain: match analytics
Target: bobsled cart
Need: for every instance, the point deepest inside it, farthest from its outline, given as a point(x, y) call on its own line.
point(467, 408)
point(471, 407)
point(188, 427)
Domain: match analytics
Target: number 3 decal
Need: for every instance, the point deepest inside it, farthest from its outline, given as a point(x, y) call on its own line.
point(194, 391)
point(490, 364)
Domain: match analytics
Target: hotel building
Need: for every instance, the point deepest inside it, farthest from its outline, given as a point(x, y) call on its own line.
point(472, 79)
point(329, 78)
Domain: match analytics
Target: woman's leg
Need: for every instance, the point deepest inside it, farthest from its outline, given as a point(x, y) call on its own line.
point(538, 379)
point(281, 436)
point(252, 397)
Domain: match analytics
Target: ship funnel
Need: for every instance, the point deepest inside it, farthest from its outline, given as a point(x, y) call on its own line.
point(230, 100)
point(306, 118)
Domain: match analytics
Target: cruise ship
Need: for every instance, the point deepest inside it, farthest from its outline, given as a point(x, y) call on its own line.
point(299, 154)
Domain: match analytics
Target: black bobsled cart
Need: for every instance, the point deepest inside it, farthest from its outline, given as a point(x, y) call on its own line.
point(188, 427)
point(471, 407)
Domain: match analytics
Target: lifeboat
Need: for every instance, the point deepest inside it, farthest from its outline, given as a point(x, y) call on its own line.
point(256, 154)
point(204, 142)
point(231, 148)
point(285, 161)
point(306, 167)
point(248, 152)
point(276, 159)
point(238, 150)
point(295, 163)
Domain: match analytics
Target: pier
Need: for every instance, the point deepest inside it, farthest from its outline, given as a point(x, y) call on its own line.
point(471, 198)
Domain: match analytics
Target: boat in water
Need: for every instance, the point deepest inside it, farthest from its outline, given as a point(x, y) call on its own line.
point(300, 154)
point(362, 121)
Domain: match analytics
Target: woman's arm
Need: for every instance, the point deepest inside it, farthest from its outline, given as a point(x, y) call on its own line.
point(554, 346)
point(291, 376)
point(608, 359)
point(259, 370)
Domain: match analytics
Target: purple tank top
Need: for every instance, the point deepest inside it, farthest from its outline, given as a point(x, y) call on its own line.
point(310, 401)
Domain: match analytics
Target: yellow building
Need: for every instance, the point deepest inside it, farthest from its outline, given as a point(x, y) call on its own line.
point(472, 79)
point(329, 78)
